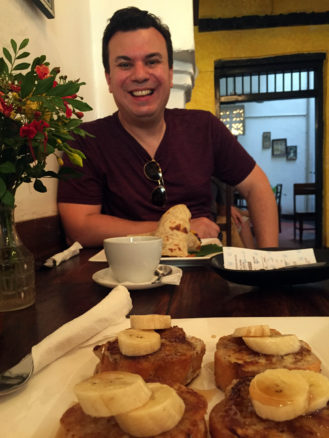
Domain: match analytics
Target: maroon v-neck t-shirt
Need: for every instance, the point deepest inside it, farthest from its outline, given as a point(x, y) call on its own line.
point(195, 146)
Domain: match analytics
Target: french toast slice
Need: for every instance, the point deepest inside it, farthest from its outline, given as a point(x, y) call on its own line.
point(177, 361)
point(76, 424)
point(235, 417)
point(234, 359)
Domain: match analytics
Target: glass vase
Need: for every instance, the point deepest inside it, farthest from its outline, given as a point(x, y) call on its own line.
point(17, 271)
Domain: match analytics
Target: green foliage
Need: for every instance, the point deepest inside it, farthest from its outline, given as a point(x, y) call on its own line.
point(40, 112)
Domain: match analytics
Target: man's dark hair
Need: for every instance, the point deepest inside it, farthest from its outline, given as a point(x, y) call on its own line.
point(129, 19)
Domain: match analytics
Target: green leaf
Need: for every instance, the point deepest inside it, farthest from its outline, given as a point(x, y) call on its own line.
point(7, 167)
point(8, 199)
point(39, 187)
point(14, 45)
point(22, 66)
point(73, 123)
point(79, 105)
point(44, 85)
point(7, 55)
point(24, 43)
point(50, 174)
point(27, 84)
point(65, 89)
point(23, 55)
point(2, 187)
point(208, 249)
point(3, 66)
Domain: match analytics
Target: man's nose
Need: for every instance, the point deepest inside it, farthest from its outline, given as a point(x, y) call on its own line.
point(140, 72)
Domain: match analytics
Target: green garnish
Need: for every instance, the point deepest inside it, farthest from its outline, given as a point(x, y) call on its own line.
point(207, 249)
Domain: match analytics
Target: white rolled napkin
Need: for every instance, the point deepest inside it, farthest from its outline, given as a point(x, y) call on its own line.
point(61, 257)
point(111, 310)
point(174, 278)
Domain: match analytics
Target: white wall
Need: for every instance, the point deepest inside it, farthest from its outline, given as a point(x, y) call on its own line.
point(292, 119)
point(65, 41)
point(73, 41)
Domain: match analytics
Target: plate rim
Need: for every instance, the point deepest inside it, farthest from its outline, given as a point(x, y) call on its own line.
point(129, 285)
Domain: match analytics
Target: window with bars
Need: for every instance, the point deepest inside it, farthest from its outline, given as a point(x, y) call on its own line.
point(259, 83)
point(278, 77)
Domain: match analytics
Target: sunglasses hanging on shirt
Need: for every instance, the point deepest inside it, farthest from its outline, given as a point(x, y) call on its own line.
point(153, 172)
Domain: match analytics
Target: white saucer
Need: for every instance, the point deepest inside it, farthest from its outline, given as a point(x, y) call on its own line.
point(104, 277)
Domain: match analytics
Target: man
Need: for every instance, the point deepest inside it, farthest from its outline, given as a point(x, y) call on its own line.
point(123, 189)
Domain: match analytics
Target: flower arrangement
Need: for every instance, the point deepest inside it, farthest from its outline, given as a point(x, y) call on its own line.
point(40, 112)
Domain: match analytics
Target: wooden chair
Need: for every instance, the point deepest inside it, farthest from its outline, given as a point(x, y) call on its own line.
point(278, 195)
point(302, 215)
point(222, 195)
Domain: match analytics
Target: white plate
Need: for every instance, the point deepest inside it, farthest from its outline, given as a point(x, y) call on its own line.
point(178, 261)
point(50, 392)
point(193, 261)
point(104, 277)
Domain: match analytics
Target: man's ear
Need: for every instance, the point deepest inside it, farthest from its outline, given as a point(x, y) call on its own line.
point(171, 77)
point(108, 80)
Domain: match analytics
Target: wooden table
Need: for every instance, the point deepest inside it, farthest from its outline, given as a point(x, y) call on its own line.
point(65, 292)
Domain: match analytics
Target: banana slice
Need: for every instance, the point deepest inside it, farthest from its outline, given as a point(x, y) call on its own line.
point(318, 389)
point(252, 330)
point(150, 322)
point(138, 342)
point(112, 393)
point(160, 414)
point(278, 345)
point(279, 394)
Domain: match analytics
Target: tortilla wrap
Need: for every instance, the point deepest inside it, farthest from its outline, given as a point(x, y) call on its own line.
point(174, 229)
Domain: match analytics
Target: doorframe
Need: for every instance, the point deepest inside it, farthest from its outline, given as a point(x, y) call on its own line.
point(283, 64)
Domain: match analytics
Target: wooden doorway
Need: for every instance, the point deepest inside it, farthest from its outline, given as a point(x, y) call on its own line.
point(275, 78)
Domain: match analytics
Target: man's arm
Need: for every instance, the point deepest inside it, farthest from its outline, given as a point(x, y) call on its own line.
point(86, 224)
point(262, 207)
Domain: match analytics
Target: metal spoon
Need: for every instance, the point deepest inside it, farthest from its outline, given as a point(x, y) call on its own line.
point(17, 376)
point(161, 271)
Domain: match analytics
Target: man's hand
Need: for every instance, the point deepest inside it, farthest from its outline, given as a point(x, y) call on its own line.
point(204, 227)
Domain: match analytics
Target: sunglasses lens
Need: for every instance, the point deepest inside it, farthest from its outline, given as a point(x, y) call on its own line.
point(152, 171)
point(159, 196)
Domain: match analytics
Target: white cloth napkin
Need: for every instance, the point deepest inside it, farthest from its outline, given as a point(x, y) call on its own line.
point(173, 278)
point(111, 310)
point(60, 257)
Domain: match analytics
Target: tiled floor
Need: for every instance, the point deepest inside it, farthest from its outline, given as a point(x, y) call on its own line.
point(286, 237)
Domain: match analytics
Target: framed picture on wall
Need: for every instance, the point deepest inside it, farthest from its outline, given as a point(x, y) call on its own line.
point(291, 153)
point(47, 7)
point(266, 143)
point(279, 146)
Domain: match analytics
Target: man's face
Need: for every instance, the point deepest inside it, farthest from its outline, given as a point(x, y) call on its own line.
point(139, 78)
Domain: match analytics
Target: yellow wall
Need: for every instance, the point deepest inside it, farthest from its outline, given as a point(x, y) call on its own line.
point(239, 8)
point(255, 43)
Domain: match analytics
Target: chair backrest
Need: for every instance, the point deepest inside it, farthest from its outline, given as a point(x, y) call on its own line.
point(222, 196)
point(303, 189)
point(278, 194)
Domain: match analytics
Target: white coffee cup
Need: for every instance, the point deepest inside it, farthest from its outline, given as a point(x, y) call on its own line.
point(133, 258)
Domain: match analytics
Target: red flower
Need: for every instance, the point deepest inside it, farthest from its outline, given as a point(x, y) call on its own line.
point(15, 88)
point(4, 108)
point(28, 131)
point(55, 83)
point(70, 97)
point(69, 111)
point(79, 114)
point(42, 71)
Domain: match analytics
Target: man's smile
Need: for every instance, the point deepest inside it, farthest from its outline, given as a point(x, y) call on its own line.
point(138, 93)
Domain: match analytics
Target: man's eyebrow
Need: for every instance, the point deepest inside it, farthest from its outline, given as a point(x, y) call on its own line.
point(122, 58)
point(148, 56)
point(151, 55)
